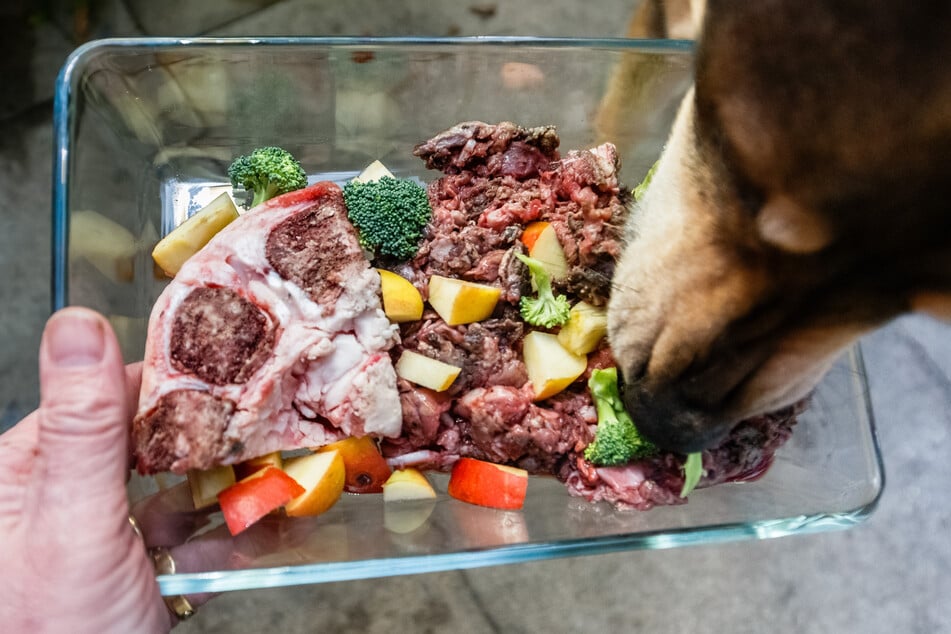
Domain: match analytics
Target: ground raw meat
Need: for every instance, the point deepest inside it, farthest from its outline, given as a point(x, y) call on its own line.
point(497, 179)
point(745, 455)
point(272, 337)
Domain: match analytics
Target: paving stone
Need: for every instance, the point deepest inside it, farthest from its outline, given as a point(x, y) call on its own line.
point(32, 58)
point(422, 604)
point(25, 176)
point(190, 17)
point(39, 41)
point(423, 17)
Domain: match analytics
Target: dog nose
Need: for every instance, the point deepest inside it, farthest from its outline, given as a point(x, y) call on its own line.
point(666, 419)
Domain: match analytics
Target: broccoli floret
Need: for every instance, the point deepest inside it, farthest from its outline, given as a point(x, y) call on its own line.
point(266, 172)
point(616, 439)
point(693, 471)
point(389, 215)
point(547, 310)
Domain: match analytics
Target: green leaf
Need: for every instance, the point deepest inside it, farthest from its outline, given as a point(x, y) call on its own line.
point(693, 470)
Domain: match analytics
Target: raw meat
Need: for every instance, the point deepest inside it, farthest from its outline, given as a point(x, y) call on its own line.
point(271, 338)
point(499, 178)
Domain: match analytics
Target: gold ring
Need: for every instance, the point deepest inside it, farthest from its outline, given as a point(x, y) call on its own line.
point(165, 565)
point(135, 528)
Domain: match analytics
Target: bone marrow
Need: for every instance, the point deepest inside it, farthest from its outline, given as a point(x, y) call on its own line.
point(316, 251)
point(219, 336)
point(191, 417)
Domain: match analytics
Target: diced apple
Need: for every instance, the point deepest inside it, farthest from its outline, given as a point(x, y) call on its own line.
point(422, 370)
point(585, 328)
point(548, 250)
point(250, 499)
point(551, 368)
point(373, 172)
point(104, 243)
point(206, 484)
point(488, 484)
point(365, 467)
point(401, 300)
point(407, 484)
point(322, 475)
point(189, 237)
point(244, 469)
point(461, 302)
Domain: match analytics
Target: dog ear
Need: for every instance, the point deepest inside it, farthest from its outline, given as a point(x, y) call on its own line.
point(787, 225)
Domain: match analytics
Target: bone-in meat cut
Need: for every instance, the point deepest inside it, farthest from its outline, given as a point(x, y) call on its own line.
point(270, 338)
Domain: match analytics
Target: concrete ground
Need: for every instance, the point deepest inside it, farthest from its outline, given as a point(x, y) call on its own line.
point(888, 575)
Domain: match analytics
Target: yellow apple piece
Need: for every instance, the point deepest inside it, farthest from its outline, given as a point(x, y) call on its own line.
point(322, 475)
point(189, 237)
point(401, 300)
point(206, 484)
point(407, 484)
point(585, 328)
point(551, 368)
point(252, 465)
point(422, 370)
point(373, 172)
point(461, 302)
point(104, 243)
point(548, 250)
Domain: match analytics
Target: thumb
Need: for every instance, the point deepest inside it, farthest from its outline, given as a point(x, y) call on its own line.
point(84, 412)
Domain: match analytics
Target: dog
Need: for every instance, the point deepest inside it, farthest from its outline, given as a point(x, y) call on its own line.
point(801, 201)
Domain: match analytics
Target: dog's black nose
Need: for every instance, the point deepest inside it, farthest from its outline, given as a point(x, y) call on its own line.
point(667, 420)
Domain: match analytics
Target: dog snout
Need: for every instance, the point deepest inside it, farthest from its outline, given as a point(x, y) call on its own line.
point(668, 420)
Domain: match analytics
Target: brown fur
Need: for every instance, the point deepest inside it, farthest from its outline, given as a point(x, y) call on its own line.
point(801, 202)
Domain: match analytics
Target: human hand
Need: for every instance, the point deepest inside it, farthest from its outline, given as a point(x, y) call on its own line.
point(71, 560)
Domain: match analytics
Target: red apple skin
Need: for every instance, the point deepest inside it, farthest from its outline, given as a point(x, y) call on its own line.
point(487, 484)
point(366, 467)
point(250, 499)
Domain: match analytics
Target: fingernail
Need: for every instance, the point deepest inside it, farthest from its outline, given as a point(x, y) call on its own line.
point(74, 339)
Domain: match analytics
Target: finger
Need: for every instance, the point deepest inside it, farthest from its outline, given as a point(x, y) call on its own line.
point(84, 415)
point(16, 463)
point(16, 444)
point(16, 451)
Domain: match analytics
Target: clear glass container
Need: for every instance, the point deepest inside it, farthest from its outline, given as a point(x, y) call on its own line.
point(145, 131)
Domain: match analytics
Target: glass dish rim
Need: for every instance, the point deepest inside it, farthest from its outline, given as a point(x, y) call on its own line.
point(229, 580)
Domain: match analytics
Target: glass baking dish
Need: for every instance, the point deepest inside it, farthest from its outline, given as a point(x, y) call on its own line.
point(145, 130)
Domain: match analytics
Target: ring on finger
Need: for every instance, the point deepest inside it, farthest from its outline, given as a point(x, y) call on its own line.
point(165, 565)
point(136, 528)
